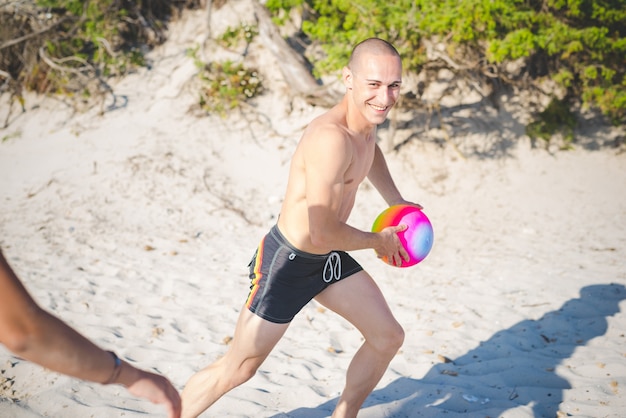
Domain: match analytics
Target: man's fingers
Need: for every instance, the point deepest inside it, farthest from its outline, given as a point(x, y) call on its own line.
point(401, 227)
point(405, 254)
point(399, 260)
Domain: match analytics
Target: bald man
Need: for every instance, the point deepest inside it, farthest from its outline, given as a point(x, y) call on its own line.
point(303, 257)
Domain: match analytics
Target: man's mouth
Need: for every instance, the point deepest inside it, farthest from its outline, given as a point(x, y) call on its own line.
point(379, 108)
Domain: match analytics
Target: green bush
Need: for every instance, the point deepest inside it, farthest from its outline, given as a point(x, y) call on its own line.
point(339, 24)
point(225, 85)
point(555, 118)
point(580, 44)
point(72, 46)
point(242, 34)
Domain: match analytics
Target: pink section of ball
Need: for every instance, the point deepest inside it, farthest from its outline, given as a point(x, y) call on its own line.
point(417, 239)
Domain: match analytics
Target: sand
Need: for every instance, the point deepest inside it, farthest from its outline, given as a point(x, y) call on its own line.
point(135, 226)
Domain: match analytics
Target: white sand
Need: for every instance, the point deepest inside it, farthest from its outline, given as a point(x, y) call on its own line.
point(136, 227)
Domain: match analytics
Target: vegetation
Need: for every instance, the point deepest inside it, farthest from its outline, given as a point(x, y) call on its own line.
point(242, 34)
point(580, 44)
point(225, 85)
point(72, 47)
point(556, 118)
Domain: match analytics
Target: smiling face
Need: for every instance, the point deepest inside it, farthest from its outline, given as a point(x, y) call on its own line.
point(373, 79)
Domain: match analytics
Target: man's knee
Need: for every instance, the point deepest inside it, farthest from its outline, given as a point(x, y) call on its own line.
point(390, 339)
point(244, 372)
point(396, 338)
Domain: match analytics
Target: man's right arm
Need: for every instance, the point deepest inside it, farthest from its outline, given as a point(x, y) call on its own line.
point(327, 158)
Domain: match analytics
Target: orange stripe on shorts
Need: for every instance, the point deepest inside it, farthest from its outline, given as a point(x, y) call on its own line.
point(257, 274)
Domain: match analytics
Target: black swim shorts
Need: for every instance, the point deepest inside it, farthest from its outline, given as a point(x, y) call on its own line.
point(284, 279)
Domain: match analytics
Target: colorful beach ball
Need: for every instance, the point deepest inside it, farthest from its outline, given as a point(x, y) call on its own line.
point(417, 239)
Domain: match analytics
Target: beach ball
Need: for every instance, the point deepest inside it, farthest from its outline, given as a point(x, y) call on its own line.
point(417, 239)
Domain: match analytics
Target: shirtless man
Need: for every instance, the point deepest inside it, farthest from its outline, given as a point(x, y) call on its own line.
point(307, 246)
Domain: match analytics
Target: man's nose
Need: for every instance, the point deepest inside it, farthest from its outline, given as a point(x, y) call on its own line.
point(388, 96)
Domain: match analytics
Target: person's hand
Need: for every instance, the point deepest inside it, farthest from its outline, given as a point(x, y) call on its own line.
point(391, 249)
point(157, 389)
point(406, 202)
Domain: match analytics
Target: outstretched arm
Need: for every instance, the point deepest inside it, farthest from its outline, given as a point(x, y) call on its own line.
point(35, 335)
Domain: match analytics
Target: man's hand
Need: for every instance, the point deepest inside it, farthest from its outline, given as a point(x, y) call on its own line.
point(406, 202)
point(391, 249)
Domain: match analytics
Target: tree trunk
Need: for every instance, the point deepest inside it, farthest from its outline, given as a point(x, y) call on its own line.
point(292, 65)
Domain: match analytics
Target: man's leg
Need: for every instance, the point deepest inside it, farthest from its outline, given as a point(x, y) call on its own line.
point(253, 341)
point(359, 300)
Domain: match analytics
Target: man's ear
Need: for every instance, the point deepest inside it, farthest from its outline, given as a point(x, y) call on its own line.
point(347, 77)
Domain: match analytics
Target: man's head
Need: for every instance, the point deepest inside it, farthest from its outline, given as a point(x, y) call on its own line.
point(374, 46)
point(373, 78)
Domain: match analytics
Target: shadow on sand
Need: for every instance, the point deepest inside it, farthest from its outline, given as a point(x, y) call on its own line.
point(514, 367)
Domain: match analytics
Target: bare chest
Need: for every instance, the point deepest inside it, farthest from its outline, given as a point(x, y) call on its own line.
point(360, 164)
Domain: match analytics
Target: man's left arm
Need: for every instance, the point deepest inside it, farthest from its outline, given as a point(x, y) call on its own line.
point(381, 179)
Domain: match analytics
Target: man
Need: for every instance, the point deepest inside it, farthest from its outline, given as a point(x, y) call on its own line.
point(303, 256)
point(35, 335)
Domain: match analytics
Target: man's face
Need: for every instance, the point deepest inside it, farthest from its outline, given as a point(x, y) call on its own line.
point(375, 81)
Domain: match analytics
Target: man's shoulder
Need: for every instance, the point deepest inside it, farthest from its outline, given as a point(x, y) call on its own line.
point(328, 125)
point(327, 135)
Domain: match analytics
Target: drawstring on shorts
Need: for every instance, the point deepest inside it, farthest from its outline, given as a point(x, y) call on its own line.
point(332, 268)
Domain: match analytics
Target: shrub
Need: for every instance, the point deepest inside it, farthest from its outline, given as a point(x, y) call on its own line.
point(72, 46)
point(580, 44)
point(555, 118)
point(225, 85)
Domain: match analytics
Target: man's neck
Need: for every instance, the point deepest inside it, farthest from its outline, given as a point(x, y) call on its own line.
point(356, 122)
